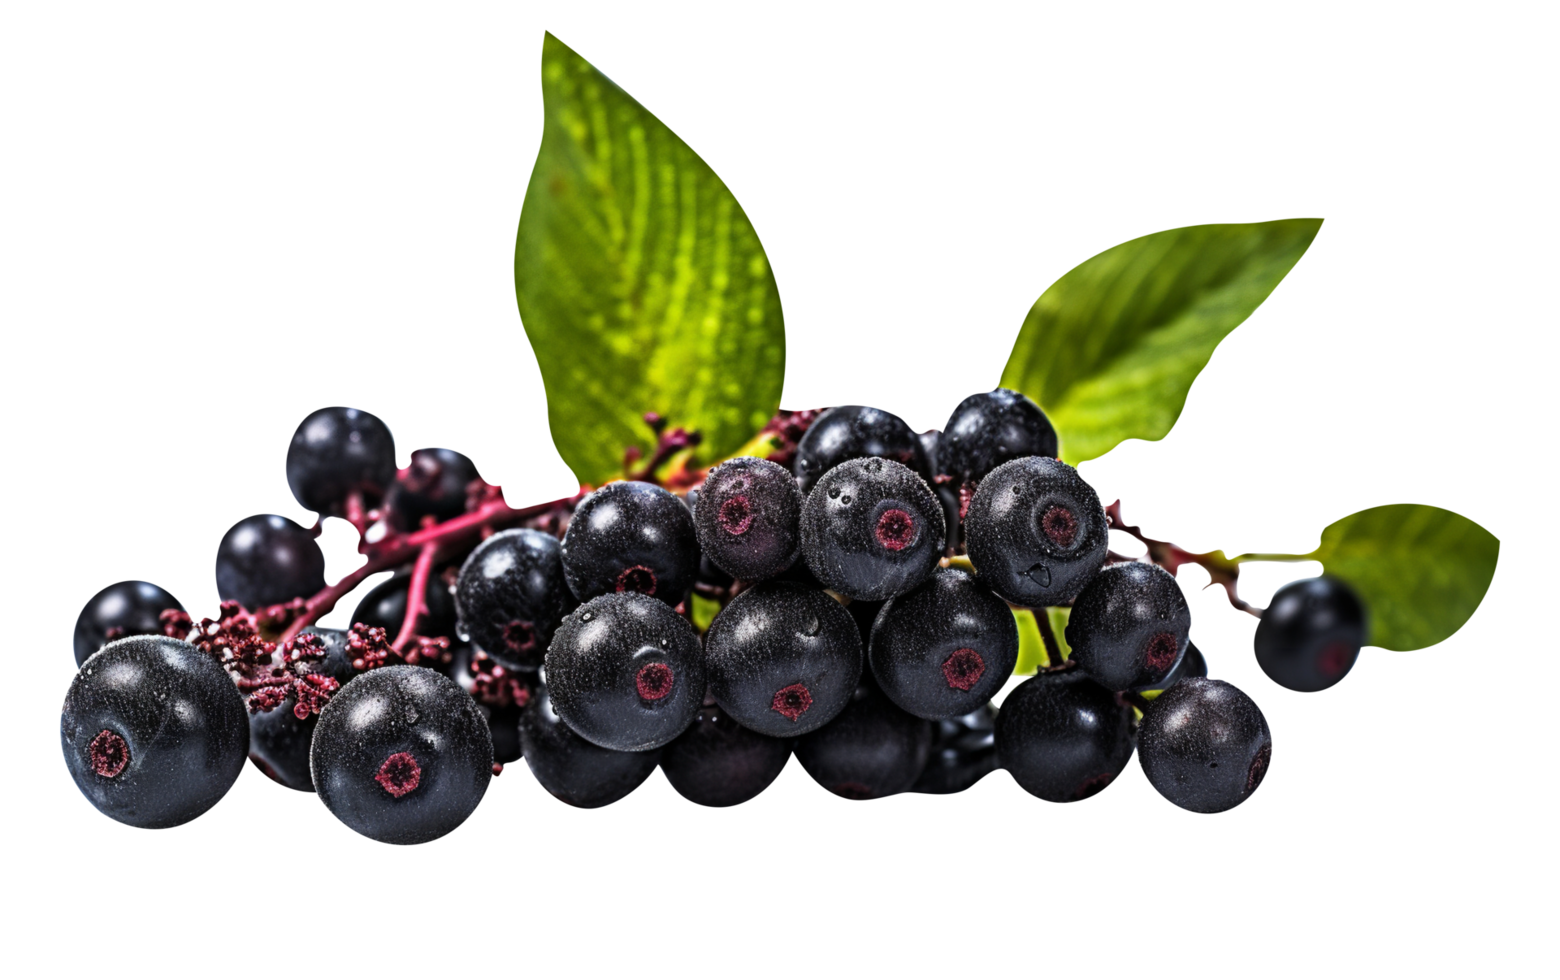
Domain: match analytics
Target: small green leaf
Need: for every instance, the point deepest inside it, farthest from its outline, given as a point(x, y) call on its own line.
point(1421, 570)
point(1111, 349)
point(640, 281)
point(704, 612)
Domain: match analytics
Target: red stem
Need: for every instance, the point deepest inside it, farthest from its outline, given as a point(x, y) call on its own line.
point(1221, 570)
point(416, 596)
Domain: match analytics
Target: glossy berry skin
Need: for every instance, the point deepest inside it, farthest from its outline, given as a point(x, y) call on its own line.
point(278, 739)
point(511, 596)
point(337, 452)
point(123, 609)
point(1129, 626)
point(748, 518)
point(1063, 737)
point(434, 485)
point(154, 732)
point(626, 672)
point(856, 432)
point(964, 750)
point(1035, 531)
point(402, 755)
point(783, 659)
point(944, 649)
point(947, 494)
point(1204, 745)
point(717, 762)
point(990, 429)
point(631, 537)
point(385, 606)
point(572, 769)
point(871, 750)
point(872, 529)
point(265, 560)
point(1311, 633)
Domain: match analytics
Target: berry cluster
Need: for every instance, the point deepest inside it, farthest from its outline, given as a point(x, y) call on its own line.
point(856, 609)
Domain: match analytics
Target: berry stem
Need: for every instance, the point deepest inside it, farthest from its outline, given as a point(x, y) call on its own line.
point(1221, 570)
point(1053, 650)
point(416, 596)
point(356, 514)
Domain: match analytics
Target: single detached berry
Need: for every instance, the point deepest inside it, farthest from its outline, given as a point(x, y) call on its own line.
point(434, 486)
point(511, 596)
point(280, 729)
point(990, 429)
point(717, 762)
point(122, 609)
point(964, 750)
point(631, 537)
point(872, 529)
point(1035, 531)
point(385, 605)
point(265, 560)
point(871, 750)
point(1063, 736)
point(945, 648)
point(338, 454)
point(501, 694)
point(856, 432)
point(154, 732)
point(1311, 633)
point(626, 672)
point(573, 770)
point(748, 516)
point(1129, 626)
point(401, 754)
point(783, 659)
point(1204, 745)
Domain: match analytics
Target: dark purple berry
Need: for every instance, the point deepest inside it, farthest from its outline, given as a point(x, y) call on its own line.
point(945, 648)
point(122, 609)
point(154, 732)
point(964, 750)
point(631, 537)
point(872, 529)
point(385, 606)
point(626, 672)
point(1204, 745)
point(1035, 531)
point(947, 492)
point(278, 739)
point(747, 518)
point(265, 560)
point(871, 750)
point(717, 762)
point(1311, 633)
point(336, 453)
point(511, 596)
point(434, 485)
point(1191, 664)
point(1129, 626)
point(856, 432)
point(1063, 736)
point(782, 658)
point(572, 769)
point(402, 755)
point(989, 429)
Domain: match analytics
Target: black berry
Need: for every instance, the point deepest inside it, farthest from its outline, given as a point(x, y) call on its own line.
point(945, 648)
point(572, 769)
point(1129, 626)
point(265, 560)
point(154, 732)
point(717, 762)
point(783, 659)
point(964, 750)
point(747, 517)
point(402, 755)
point(122, 609)
point(1063, 736)
point(871, 750)
point(1191, 664)
point(989, 429)
point(385, 606)
point(1311, 633)
point(279, 740)
point(337, 453)
point(511, 596)
point(434, 485)
point(631, 537)
point(855, 432)
point(872, 529)
point(1035, 531)
point(626, 672)
point(1204, 745)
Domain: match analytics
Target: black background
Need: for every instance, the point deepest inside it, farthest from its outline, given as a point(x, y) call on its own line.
point(343, 237)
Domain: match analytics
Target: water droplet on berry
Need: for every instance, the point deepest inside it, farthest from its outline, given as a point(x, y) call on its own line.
point(1040, 574)
point(411, 715)
point(845, 500)
point(834, 493)
point(587, 617)
point(811, 627)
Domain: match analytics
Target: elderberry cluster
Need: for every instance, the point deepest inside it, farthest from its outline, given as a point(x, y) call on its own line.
point(850, 600)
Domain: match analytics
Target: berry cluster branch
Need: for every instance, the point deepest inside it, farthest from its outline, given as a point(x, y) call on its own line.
point(416, 595)
point(1221, 571)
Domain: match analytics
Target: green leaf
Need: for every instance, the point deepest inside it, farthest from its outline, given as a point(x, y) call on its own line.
point(1111, 349)
point(640, 281)
point(1421, 570)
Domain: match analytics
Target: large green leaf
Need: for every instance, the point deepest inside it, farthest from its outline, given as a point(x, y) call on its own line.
point(1110, 350)
point(640, 281)
point(1421, 570)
